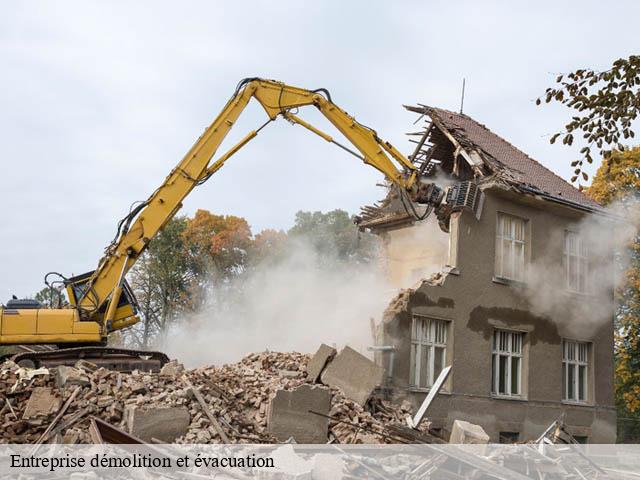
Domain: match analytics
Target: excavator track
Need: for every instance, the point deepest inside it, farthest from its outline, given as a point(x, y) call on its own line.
point(119, 359)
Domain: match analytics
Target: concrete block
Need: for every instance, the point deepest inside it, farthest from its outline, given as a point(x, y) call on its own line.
point(70, 376)
point(319, 361)
point(165, 424)
point(289, 414)
point(468, 433)
point(42, 402)
point(171, 369)
point(354, 374)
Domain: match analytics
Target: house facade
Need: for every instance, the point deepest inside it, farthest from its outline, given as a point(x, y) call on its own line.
point(516, 294)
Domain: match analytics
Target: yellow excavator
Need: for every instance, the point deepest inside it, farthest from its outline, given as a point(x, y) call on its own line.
point(101, 301)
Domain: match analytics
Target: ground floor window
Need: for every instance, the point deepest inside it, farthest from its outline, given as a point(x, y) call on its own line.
point(506, 363)
point(575, 370)
point(428, 350)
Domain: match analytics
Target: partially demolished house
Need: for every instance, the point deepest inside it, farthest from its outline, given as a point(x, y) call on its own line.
point(510, 291)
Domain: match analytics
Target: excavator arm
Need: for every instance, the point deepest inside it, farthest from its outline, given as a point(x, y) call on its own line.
point(98, 296)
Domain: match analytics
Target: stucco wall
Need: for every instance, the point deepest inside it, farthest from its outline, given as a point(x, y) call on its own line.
point(475, 303)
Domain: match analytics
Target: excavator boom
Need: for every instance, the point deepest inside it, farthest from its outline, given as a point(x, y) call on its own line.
point(101, 301)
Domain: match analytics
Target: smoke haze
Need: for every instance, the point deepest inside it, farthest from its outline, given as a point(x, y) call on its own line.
point(294, 304)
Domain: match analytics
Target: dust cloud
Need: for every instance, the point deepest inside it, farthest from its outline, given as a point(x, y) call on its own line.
point(580, 315)
point(293, 304)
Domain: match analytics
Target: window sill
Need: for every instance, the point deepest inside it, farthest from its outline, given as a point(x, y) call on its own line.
point(576, 403)
point(508, 281)
point(426, 390)
point(516, 398)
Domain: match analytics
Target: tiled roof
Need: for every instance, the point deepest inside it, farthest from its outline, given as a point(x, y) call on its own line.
point(525, 170)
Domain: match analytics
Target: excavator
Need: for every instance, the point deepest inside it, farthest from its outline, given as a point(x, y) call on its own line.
point(101, 301)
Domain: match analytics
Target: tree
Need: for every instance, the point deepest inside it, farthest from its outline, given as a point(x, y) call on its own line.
point(605, 102)
point(52, 297)
point(161, 280)
point(619, 182)
point(333, 234)
point(268, 246)
point(221, 240)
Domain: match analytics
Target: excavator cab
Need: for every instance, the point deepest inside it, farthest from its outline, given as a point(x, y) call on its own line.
point(78, 288)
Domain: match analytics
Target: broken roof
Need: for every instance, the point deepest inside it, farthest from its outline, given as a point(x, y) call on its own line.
point(498, 156)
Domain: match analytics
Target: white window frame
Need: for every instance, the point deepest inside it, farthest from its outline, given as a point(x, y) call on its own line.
point(575, 250)
point(516, 269)
point(427, 333)
point(509, 344)
point(575, 354)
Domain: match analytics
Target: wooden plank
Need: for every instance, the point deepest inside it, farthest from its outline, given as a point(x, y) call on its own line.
point(205, 408)
point(437, 385)
point(57, 418)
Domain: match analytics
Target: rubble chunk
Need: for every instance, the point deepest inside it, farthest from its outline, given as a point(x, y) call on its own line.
point(171, 369)
point(86, 365)
point(165, 424)
point(466, 432)
point(319, 361)
point(42, 402)
point(70, 376)
point(289, 414)
point(354, 374)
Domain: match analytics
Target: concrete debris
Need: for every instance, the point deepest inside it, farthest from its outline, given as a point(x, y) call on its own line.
point(165, 424)
point(172, 369)
point(42, 403)
point(468, 433)
point(290, 414)
point(317, 363)
point(354, 374)
point(236, 396)
point(86, 365)
point(70, 376)
point(398, 304)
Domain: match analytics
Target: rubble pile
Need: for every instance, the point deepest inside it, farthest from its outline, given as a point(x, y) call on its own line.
point(227, 404)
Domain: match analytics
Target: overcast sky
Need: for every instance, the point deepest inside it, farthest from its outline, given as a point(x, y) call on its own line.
point(99, 100)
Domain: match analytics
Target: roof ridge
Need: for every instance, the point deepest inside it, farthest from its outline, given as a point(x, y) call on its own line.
point(515, 148)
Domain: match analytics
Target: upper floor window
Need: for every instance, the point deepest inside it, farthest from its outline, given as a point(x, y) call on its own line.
point(575, 262)
point(428, 350)
point(510, 247)
point(575, 370)
point(506, 363)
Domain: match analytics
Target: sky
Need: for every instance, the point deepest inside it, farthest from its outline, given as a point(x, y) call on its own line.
point(100, 100)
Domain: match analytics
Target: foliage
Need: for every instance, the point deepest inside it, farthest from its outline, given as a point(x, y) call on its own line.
point(605, 103)
point(161, 279)
point(268, 246)
point(217, 244)
point(619, 183)
point(333, 234)
point(51, 297)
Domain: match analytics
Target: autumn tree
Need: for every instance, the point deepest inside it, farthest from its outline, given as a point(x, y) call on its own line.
point(618, 182)
point(605, 104)
point(161, 279)
point(268, 246)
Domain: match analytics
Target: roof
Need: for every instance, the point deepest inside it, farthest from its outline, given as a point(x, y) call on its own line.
point(523, 170)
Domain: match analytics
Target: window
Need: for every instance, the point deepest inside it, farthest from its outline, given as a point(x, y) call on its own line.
point(575, 370)
point(428, 350)
point(510, 245)
point(506, 363)
point(575, 262)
